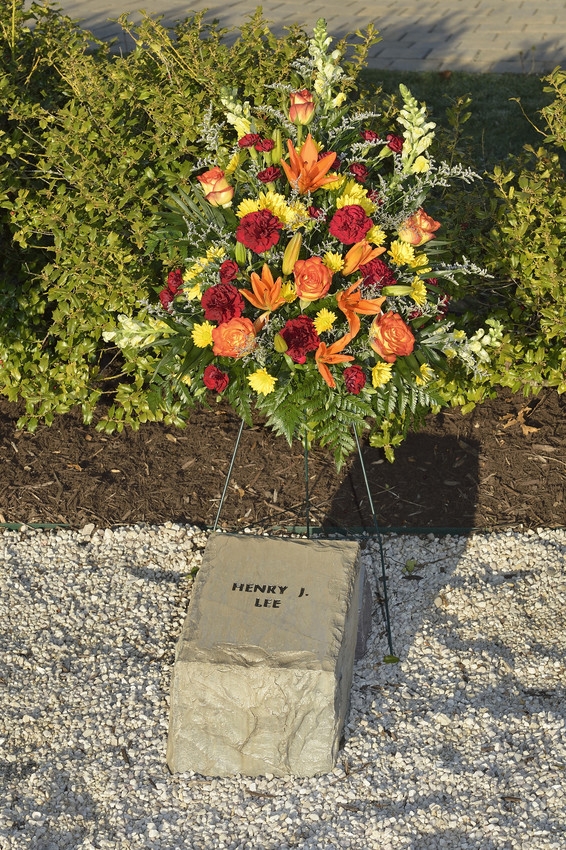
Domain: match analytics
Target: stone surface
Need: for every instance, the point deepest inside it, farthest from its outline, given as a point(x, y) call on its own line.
point(263, 667)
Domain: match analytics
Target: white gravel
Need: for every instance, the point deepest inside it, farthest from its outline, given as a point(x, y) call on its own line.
point(460, 745)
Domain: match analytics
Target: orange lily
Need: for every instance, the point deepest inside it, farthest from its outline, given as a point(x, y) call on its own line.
point(329, 354)
point(266, 292)
point(358, 255)
point(306, 172)
point(351, 303)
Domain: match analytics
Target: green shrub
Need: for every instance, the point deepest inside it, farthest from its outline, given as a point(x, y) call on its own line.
point(89, 145)
point(525, 251)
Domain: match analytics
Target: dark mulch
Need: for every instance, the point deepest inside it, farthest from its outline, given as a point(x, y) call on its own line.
point(501, 466)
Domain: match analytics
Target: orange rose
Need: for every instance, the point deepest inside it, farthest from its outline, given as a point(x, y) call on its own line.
point(234, 338)
point(312, 279)
point(390, 337)
point(216, 188)
point(418, 228)
point(302, 107)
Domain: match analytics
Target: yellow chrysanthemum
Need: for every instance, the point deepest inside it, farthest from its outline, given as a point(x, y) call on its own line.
point(288, 292)
point(198, 266)
point(193, 292)
point(459, 334)
point(202, 335)
point(277, 204)
point(297, 215)
point(249, 205)
point(272, 201)
point(354, 193)
point(262, 382)
point(401, 253)
point(324, 320)
point(420, 262)
point(333, 261)
point(381, 374)
point(418, 292)
point(336, 183)
point(233, 164)
point(426, 375)
point(376, 235)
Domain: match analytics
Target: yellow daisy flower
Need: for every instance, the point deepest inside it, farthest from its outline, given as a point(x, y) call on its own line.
point(202, 334)
point(401, 253)
point(418, 292)
point(381, 374)
point(333, 261)
point(324, 320)
point(262, 382)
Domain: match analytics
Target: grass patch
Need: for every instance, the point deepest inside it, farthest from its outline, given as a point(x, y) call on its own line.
point(497, 127)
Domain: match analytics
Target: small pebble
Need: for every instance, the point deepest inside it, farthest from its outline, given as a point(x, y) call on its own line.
point(460, 744)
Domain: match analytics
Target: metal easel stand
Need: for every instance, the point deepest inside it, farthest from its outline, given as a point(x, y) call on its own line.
point(391, 658)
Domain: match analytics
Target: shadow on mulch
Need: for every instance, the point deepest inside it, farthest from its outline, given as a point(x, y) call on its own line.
point(501, 466)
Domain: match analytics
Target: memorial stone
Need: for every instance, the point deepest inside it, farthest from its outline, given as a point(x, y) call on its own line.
point(263, 668)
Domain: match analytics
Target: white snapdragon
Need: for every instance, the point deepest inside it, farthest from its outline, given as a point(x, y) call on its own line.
point(418, 133)
point(238, 114)
point(133, 333)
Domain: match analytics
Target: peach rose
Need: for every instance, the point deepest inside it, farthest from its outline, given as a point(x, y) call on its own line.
point(234, 338)
point(312, 279)
point(418, 228)
point(390, 337)
point(216, 188)
point(301, 110)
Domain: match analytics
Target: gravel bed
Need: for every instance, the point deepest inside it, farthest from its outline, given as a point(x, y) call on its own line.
point(460, 745)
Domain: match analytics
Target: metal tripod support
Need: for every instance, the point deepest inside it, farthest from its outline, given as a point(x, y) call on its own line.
point(307, 517)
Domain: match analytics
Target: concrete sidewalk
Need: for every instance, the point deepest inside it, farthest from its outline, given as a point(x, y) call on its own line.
point(513, 36)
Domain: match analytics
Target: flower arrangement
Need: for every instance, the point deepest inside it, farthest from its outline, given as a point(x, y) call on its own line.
point(314, 288)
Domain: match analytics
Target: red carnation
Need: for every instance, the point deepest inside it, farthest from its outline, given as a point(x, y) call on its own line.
point(228, 271)
point(377, 273)
point(259, 231)
point(166, 297)
point(369, 136)
point(350, 224)
point(249, 140)
point(215, 379)
point(395, 143)
point(355, 379)
point(360, 172)
point(222, 303)
point(301, 337)
point(264, 145)
point(175, 281)
point(269, 175)
point(316, 212)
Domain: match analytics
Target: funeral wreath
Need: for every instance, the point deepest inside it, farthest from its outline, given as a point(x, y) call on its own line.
point(316, 284)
